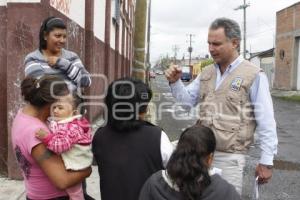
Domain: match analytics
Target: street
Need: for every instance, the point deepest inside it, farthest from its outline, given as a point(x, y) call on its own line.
point(285, 182)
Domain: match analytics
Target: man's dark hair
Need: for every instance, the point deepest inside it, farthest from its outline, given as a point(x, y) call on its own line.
point(126, 99)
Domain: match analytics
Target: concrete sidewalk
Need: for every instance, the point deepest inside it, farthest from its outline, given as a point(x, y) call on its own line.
point(14, 190)
point(284, 93)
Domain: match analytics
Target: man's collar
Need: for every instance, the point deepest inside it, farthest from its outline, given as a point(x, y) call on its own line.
point(234, 64)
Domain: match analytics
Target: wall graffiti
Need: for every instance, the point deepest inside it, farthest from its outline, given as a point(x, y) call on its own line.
point(61, 5)
point(75, 38)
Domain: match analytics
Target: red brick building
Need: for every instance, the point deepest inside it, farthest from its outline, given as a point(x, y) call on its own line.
point(287, 60)
point(99, 31)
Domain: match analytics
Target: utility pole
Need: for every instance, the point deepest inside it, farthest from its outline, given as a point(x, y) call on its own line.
point(190, 49)
point(175, 49)
point(138, 70)
point(148, 44)
point(244, 7)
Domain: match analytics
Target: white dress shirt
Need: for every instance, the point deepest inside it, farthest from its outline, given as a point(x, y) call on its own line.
point(166, 148)
point(260, 98)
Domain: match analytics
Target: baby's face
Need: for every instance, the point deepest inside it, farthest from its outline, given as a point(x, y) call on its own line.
point(62, 108)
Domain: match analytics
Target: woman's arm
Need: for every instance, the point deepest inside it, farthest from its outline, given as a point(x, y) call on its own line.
point(34, 67)
point(61, 140)
point(75, 70)
point(54, 168)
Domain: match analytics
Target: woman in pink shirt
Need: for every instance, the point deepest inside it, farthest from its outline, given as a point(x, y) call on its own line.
point(44, 173)
point(70, 137)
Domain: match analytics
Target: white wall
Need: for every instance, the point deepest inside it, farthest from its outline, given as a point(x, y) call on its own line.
point(255, 61)
point(112, 35)
point(4, 2)
point(73, 9)
point(112, 26)
point(268, 60)
point(125, 1)
point(267, 64)
point(23, 1)
point(99, 19)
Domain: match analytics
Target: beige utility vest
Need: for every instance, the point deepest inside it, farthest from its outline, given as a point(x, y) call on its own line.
point(228, 110)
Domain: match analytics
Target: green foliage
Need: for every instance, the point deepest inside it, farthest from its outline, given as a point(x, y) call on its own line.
point(163, 63)
point(206, 62)
point(295, 98)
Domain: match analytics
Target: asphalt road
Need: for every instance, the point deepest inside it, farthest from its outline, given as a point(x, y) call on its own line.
point(285, 183)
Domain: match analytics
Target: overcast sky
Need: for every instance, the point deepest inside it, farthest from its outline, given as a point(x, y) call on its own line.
point(172, 20)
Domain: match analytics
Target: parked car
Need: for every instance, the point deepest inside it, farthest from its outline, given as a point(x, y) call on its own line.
point(159, 72)
point(186, 73)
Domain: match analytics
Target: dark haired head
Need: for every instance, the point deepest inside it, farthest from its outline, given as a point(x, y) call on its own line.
point(126, 99)
point(44, 91)
point(47, 26)
point(188, 167)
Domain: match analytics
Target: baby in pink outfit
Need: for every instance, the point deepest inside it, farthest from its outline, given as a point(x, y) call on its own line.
point(70, 136)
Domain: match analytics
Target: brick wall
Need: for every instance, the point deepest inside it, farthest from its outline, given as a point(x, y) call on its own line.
point(287, 29)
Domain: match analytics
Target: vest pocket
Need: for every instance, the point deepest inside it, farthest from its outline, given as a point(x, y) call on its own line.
point(225, 125)
point(233, 105)
point(226, 134)
point(235, 98)
point(245, 136)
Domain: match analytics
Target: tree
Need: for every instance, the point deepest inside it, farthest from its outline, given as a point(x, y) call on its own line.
point(165, 63)
point(206, 62)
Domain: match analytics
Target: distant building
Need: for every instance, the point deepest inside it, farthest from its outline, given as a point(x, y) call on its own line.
point(195, 60)
point(287, 54)
point(265, 60)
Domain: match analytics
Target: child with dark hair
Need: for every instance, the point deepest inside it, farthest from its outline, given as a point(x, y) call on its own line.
point(128, 149)
point(70, 136)
point(51, 58)
point(189, 175)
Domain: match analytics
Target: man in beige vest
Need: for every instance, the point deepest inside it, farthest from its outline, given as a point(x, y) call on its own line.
point(234, 101)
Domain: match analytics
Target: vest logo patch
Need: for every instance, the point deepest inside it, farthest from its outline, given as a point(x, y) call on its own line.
point(236, 84)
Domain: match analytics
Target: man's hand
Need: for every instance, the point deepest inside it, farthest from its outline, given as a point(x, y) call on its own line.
point(41, 134)
point(264, 173)
point(173, 73)
point(52, 60)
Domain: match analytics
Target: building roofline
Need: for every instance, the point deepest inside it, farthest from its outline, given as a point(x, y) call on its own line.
point(262, 53)
point(294, 4)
